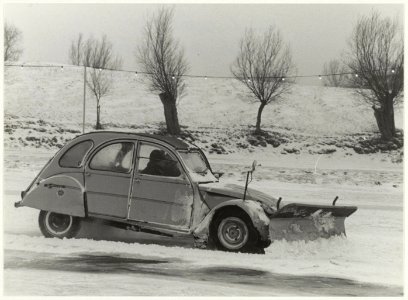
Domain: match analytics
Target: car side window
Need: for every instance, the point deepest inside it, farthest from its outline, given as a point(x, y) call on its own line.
point(156, 161)
point(114, 157)
point(74, 156)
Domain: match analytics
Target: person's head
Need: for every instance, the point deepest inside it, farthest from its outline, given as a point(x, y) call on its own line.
point(157, 155)
point(126, 147)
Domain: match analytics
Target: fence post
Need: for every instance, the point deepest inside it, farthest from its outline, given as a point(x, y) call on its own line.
point(83, 112)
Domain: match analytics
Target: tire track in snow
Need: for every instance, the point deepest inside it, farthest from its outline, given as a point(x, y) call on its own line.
point(178, 270)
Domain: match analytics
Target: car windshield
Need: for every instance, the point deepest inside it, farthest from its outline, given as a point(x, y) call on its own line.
point(197, 166)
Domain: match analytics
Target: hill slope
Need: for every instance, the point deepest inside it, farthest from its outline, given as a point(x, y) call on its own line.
point(43, 109)
point(56, 95)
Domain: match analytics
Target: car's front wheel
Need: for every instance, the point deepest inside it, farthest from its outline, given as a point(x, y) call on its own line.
point(58, 225)
point(233, 231)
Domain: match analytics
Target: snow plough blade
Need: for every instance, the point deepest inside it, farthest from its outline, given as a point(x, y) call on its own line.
point(308, 222)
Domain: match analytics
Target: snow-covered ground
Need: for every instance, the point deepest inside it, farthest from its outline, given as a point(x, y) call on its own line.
point(54, 95)
point(371, 254)
point(105, 261)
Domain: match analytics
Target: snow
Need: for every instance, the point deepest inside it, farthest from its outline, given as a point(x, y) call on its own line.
point(371, 254)
point(41, 93)
point(372, 251)
point(139, 285)
point(198, 177)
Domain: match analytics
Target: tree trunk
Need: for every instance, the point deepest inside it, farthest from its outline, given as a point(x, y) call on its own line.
point(259, 118)
point(98, 118)
point(170, 113)
point(385, 119)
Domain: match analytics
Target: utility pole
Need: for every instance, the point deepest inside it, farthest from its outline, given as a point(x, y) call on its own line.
point(83, 111)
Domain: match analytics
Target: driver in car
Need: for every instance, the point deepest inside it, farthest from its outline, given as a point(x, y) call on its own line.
point(161, 164)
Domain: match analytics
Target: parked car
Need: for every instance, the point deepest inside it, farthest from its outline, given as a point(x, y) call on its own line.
point(162, 185)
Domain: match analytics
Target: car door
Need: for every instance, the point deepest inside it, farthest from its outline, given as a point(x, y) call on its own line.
point(161, 193)
point(108, 176)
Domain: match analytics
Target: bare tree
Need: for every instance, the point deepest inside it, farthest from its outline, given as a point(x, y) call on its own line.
point(263, 63)
point(12, 39)
point(376, 56)
point(163, 60)
point(99, 57)
point(76, 51)
point(335, 74)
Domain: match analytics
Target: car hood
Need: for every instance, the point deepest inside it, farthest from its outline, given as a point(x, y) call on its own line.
point(234, 191)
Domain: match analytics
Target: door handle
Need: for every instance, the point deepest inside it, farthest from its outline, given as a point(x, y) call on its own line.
point(87, 174)
point(136, 180)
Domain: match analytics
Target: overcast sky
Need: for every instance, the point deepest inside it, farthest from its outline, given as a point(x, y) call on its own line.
point(209, 33)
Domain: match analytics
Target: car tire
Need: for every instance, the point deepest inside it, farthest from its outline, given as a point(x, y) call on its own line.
point(233, 231)
point(58, 225)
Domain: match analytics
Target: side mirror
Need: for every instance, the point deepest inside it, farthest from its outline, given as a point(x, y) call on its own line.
point(254, 164)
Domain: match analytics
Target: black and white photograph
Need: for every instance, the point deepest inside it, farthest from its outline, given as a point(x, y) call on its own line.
point(228, 149)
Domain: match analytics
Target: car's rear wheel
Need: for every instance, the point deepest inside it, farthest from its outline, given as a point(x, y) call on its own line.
point(232, 230)
point(58, 225)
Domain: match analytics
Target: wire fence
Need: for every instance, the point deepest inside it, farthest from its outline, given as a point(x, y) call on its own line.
point(135, 72)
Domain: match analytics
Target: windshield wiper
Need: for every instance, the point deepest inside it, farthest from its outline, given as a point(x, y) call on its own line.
point(204, 182)
point(205, 172)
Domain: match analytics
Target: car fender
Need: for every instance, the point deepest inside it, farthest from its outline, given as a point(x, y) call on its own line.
point(60, 193)
point(254, 210)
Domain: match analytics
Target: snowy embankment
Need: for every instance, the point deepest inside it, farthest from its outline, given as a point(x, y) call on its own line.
point(43, 110)
point(57, 96)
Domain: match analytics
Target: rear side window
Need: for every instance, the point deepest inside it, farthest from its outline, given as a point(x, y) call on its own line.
point(74, 156)
point(116, 157)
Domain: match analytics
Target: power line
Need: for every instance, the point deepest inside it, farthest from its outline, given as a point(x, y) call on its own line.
point(189, 75)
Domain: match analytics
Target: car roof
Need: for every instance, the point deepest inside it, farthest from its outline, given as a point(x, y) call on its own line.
point(108, 135)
